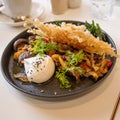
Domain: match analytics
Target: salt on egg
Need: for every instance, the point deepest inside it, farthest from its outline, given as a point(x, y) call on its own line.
point(39, 68)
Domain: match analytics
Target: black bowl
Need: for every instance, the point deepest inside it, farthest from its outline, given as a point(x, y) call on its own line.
point(49, 91)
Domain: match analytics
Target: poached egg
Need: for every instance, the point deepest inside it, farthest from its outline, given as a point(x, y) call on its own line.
point(39, 68)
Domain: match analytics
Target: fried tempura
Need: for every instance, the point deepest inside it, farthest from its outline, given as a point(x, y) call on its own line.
point(76, 36)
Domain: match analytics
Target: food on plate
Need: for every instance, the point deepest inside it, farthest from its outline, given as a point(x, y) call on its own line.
point(19, 43)
point(69, 50)
point(39, 68)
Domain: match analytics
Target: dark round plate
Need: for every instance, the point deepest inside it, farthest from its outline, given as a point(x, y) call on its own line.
point(50, 90)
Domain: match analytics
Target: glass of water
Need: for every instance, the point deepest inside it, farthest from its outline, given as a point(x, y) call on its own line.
point(102, 9)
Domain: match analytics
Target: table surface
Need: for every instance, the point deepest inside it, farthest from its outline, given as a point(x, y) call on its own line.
point(96, 105)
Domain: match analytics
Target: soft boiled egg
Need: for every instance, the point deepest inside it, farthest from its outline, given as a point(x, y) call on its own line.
point(39, 68)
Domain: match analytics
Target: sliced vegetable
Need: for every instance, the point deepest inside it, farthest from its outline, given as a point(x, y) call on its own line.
point(17, 54)
point(109, 64)
point(19, 42)
point(24, 55)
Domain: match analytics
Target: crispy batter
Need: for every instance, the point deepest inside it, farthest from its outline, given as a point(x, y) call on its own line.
point(76, 36)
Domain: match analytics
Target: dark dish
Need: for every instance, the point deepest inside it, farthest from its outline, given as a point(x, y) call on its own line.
point(49, 90)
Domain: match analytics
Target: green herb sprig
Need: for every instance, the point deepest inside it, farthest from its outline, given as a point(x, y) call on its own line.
point(41, 47)
point(73, 59)
point(61, 75)
point(70, 65)
point(95, 30)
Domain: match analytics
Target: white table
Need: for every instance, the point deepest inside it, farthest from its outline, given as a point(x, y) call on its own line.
point(96, 105)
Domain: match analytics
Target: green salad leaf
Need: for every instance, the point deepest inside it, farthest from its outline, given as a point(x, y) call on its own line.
point(58, 23)
point(95, 30)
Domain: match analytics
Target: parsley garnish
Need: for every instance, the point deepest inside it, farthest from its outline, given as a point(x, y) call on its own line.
point(42, 47)
point(73, 59)
point(70, 65)
point(61, 75)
